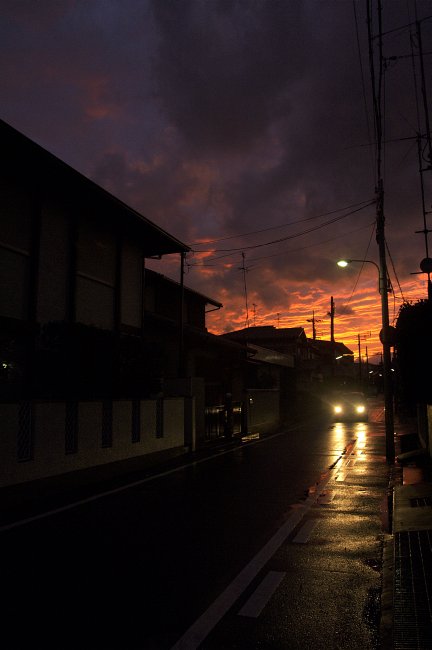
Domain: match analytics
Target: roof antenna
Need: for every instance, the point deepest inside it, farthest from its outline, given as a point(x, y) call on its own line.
point(244, 269)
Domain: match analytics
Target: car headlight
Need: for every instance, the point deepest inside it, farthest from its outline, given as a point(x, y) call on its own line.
point(360, 408)
point(338, 409)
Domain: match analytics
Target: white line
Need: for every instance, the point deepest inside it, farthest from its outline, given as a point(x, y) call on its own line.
point(107, 493)
point(305, 532)
point(259, 599)
point(202, 627)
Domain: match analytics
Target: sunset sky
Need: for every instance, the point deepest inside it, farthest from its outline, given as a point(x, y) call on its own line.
point(244, 129)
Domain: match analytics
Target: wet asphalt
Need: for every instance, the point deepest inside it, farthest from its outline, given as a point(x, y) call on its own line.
point(275, 543)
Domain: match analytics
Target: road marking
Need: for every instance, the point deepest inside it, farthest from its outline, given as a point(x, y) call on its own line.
point(128, 486)
point(341, 476)
point(259, 599)
point(199, 630)
point(305, 532)
point(202, 627)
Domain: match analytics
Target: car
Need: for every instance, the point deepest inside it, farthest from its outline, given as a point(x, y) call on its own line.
point(349, 406)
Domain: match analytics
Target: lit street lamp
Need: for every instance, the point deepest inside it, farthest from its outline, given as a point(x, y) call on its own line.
point(385, 338)
point(344, 263)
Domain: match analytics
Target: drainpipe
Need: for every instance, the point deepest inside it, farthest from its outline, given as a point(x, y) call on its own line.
point(181, 363)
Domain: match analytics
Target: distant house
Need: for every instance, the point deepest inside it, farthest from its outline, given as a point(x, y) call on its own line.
point(315, 363)
point(164, 300)
point(274, 358)
point(288, 340)
point(330, 359)
point(188, 360)
point(75, 361)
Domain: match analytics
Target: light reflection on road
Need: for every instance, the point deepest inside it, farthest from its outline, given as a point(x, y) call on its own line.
point(339, 438)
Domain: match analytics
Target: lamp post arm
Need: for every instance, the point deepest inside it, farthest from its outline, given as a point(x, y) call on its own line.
point(382, 282)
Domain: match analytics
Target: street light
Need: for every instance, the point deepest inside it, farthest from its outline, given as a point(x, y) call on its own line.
point(344, 263)
point(385, 338)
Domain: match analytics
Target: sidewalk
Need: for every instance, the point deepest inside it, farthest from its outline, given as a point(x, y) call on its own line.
point(412, 553)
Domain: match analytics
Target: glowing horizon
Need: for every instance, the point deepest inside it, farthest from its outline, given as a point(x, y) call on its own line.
point(364, 319)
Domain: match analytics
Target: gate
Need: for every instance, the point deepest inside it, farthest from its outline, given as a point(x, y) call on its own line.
point(216, 420)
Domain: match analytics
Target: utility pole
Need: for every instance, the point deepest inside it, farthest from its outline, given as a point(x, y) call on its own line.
point(367, 365)
point(181, 363)
point(364, 337)
point(244, 269)
point(425, 231)
point(332, 338)
point(380, 237)
point(385, 332)
point(313, 320)
point(426, 264)
point(359, 360)
point(332, 315)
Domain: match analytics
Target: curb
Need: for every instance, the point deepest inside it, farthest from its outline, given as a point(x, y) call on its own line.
point(386, 621)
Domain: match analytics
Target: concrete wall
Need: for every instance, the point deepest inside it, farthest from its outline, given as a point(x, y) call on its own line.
point(429, 436)
point(40, 446)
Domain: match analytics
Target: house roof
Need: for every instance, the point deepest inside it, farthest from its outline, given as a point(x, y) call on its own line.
point(274, 357)
point(47, 174)
point(327, 347)
point(267, 332)
point(163, 278)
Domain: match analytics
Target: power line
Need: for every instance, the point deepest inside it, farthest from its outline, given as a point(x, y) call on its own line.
point(363, 81)
point(285, 251)
point(362, 266)
point(282, 239)
point(283, 225)
point(394, 270)
point(244, 269)
point(401, 28)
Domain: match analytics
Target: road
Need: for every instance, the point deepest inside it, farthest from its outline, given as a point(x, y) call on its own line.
point(171, 560)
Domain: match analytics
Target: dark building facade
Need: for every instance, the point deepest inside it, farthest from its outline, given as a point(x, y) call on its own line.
point(75, 385)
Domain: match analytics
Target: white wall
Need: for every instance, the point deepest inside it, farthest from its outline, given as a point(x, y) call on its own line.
point(49, 455)
point(429, 418)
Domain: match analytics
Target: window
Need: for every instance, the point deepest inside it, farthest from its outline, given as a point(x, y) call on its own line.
point(15, 241)
point(14, 283)
point(96, 269)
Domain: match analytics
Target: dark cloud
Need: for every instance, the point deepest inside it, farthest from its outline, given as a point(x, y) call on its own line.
point(224, 70)
point(345, 310)
point(217, 118)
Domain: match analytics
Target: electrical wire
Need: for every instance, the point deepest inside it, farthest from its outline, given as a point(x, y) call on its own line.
point(294, 236)
point(363, 84)
point(394, 270)
point(415, 79)
point(285, 252)
point(402, 27)
point(283, 225)
point(363, 263)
